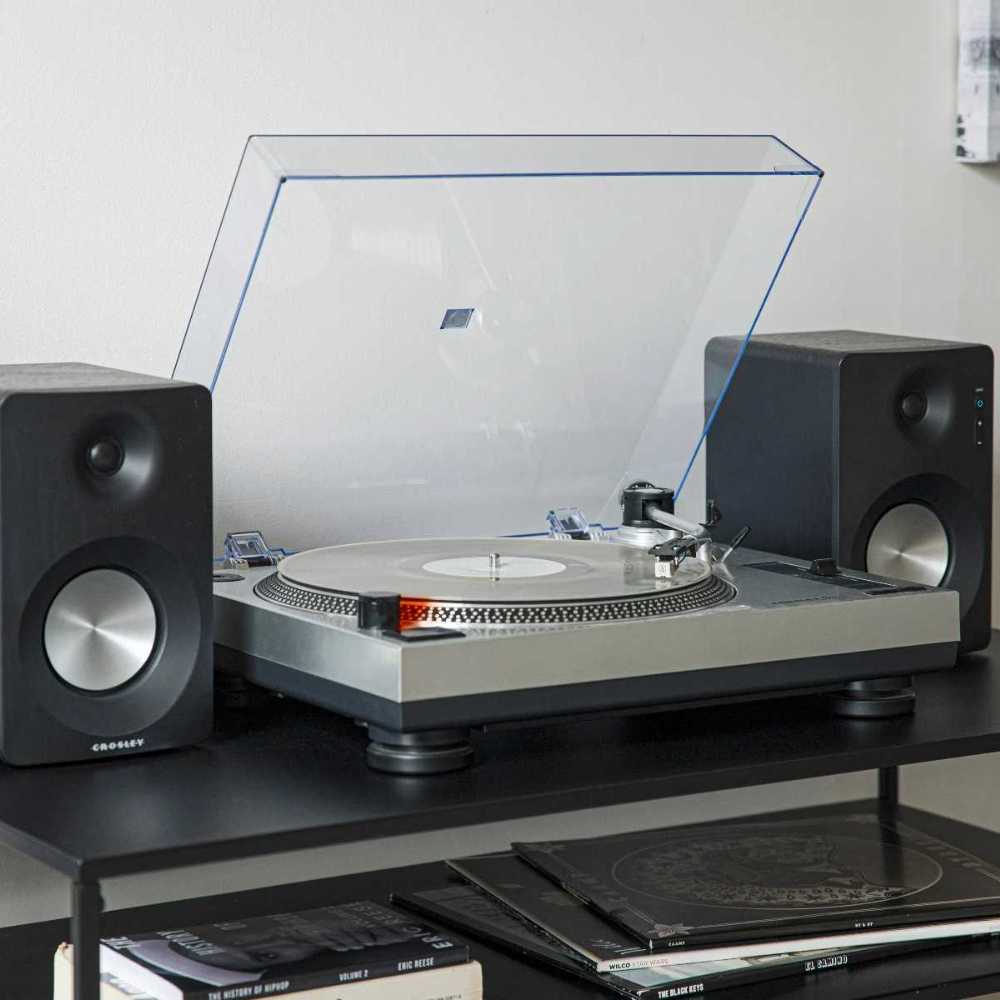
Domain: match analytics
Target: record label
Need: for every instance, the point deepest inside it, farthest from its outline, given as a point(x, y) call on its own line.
point(501, 568)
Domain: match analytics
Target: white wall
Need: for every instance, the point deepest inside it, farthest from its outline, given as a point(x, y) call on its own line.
point(121, 124)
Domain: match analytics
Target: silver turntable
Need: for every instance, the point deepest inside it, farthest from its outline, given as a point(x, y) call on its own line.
point(424, 639)
point(442, 338)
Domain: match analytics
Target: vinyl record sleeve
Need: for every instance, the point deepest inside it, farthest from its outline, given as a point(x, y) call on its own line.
point(556, 914)
point(695, 887)
point(472, 911)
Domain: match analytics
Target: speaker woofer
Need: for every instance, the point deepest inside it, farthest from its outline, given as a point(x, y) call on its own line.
point(100, 630)
point(909, 542)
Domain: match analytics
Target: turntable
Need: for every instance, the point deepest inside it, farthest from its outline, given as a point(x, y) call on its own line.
point(419, 347)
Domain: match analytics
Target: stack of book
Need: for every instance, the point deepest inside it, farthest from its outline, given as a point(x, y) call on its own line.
point(356, 951)
point(681, 911)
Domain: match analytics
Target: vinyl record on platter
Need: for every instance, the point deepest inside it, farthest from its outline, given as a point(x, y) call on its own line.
point(494, 581)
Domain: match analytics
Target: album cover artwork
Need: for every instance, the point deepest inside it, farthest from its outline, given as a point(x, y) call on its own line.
point(690, 887)
point(471, 911)
point(557, 914)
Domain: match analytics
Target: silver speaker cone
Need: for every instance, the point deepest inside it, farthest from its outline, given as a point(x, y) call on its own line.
point(100, 630)
point(909, 542)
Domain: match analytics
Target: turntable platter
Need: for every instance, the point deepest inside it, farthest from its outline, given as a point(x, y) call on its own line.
point(505, 581)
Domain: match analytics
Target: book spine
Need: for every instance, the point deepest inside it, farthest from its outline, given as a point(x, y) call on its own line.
point(743, 977)
point(881, 927)
point(814, 966)
point(342, 977)
point(928, 934)
point(464, 982)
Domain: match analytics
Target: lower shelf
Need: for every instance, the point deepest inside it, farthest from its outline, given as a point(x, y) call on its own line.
point(947, 973)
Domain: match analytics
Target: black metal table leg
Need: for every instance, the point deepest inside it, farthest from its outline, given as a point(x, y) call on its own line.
point(888, 786)
point(85, 932)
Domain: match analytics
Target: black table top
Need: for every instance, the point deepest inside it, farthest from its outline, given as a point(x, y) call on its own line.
point(292, 776)
point(947, 973)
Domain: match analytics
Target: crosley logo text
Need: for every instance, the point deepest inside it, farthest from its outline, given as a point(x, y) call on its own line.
point(132, 744)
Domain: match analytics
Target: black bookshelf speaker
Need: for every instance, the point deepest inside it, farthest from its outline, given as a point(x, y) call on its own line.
point(874, 449)
point(105, 557)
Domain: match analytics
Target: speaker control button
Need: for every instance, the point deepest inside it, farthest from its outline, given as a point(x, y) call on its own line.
point(913, 406)
point(105, 457)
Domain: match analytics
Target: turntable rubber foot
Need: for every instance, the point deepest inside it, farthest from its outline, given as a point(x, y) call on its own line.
point(235, 692)
point(436, 751)
point(881, 698)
